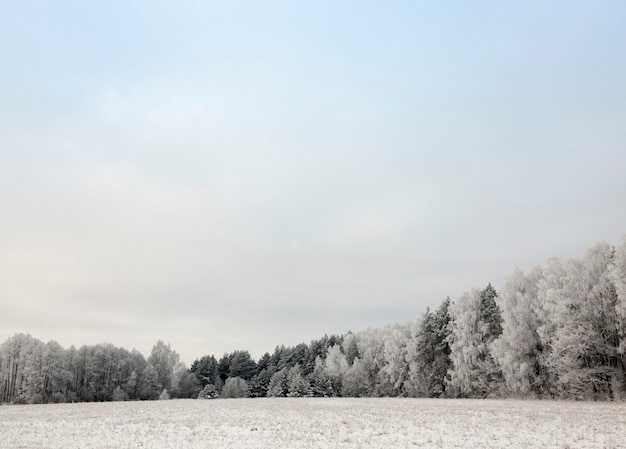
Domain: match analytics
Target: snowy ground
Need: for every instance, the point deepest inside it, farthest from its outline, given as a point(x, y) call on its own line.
point(315, 423)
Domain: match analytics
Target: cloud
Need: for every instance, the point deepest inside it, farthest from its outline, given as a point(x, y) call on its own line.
point(247, 181)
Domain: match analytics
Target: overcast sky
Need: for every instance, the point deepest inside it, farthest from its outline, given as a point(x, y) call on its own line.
point(238, 175)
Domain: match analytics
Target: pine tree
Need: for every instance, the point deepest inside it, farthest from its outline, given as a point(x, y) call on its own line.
point(150, 385)
point(242, 365)
point(297, 385)
point(432, 358)
point(209, 391)
point(279, 384)
point(205, 370)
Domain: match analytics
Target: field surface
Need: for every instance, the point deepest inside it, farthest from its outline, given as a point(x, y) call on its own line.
point(315, 423)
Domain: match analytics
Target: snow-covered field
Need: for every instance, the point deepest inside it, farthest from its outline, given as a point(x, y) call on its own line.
point(315, 423)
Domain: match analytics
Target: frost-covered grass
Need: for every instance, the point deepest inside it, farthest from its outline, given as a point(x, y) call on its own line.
point(315, 423)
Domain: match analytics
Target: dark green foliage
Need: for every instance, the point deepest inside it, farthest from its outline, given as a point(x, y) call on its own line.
point(242, 365)
point(150, 387)
point(279, 384)
point(292, 356)
point(317, 348)
point(322, 385)
point(205, 370)
point(189, 386)
point(560, 333)
point(223, 369)
point(490, 313)
point(264, 362)
point(433, 351)
point(260, 383)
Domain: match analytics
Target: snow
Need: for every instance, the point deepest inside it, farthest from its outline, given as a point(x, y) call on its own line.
point(315, 423)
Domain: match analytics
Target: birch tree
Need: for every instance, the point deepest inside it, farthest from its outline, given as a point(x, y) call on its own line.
point(582, 329)
point(517, 351)
point(474, 319)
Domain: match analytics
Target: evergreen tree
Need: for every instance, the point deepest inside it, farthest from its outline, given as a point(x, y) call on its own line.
point(150, 386)
point(264, 362)
point(350, 348)
point(297, 385)
point(260, 383)
point(322, 384)
point(205, 369)
point(242, 365)
point(490, 313)
point(223, 368)
point(189, 386)
point(432, 358)
point(279, 384)
point(209, 391)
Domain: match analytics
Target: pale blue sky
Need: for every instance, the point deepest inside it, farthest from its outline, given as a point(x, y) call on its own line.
point(227, 175)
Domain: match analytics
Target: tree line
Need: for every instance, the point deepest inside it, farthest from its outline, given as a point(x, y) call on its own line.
point(558, 331)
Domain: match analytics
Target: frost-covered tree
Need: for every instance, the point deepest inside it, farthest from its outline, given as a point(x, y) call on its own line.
point(356, 382)
point(209, 391)
point(322, 385)
point(235, 387)
point(119, 394)
point(19, 371)
point(205, 370)
point(279, 384)
point(335, 367)
point(150, 387)
point(164, 360)
point(429, 359)
point(371, 347)
point(259, 384)
point(241, 365)
point(518, 350)
point(165, 395)
point(582, 329)
point(350, 347)
point(178, 376)
point(393, 373)
point(292, 356)
point(297, 385)
point(188, 386)
point(473, 323)
point(617, 274)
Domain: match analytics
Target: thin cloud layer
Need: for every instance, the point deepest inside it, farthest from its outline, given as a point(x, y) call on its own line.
point(226, 177)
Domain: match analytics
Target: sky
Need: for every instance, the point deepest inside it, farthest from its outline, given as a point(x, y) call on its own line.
point(244, 174)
